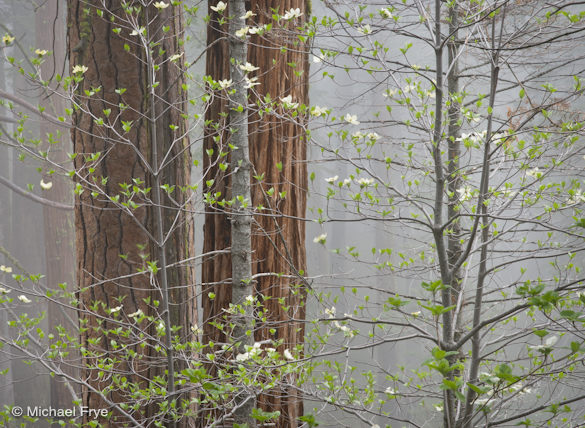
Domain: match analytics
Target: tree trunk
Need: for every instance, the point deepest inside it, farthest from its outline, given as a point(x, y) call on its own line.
point(58, 224)
point(277, 151)
point(117, 246)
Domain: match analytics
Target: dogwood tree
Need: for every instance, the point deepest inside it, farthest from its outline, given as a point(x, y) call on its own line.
point(446, 226)
point(466, 160)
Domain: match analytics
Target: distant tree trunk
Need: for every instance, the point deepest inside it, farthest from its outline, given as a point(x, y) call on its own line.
point(277, 151)
point(112, 243)
point(58, 224)
point(6, 196)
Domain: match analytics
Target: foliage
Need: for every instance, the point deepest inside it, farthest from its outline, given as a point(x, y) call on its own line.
point(457, 152)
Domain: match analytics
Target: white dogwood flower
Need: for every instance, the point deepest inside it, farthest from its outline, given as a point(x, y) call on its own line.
point(248, 14)
point(46, 185)
point(318, 111)
point(253, 81)
point(292, 13)
point(219, 7)
point(241, 33)
point(225, 83)
point(80, 69)
point(366, 29)
point(321, 239)
point(352, 119)
point(288, 102)
point(24, 299)
point(7, 39)
point(247, 67)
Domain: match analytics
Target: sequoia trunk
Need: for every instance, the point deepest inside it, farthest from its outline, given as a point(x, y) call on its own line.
point(119, 252)
point(277, 153)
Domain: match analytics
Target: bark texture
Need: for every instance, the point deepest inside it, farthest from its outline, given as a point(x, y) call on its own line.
point(277, 151)
point(113, 243)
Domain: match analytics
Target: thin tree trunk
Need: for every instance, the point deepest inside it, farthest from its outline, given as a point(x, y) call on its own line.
point(241, 218)
point(277, 152)
point(113, 243)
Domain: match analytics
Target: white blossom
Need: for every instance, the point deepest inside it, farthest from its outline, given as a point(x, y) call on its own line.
point(288, 103)
point(243, 357)
point(46, 185)
point(577, 197)
point(347, 181)
point(247, 67)
point(40, 52)
point(366, 29)
point(318, 58)
point(352, 119)
point(136, 314)
point(346, 331)
point(7, 39)
point(219, 7)
point(321, 239)
point(287, 354)
point(225, 83)
point(248, 14)
point(242, 32)
point(318, 111)
point(80, 69)
point(535, 172)
point(141, 30)
point(386, 13)
point(292, 13)
point(332, 180)
point(250, 82)
point(24, 299)
point(465, 193)
point(390, 391)
point(330, 312)
point(175, 57)
point(160, 5)
point(116, 309)
point(6, 269)
point(249, 299)
point(4, 290)
point(257, 30)
point(364, 182)
point(473, 137)
point(409, 88)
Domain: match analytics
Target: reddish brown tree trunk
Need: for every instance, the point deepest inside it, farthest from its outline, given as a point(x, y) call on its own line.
point(278, 152)
point(113, 244)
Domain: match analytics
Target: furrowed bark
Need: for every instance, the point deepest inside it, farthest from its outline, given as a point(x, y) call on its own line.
point(113, 242)
point(277, 151)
